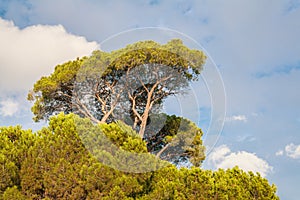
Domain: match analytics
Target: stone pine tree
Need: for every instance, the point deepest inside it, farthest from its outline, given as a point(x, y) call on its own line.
point(129, 84)
point(144, 73)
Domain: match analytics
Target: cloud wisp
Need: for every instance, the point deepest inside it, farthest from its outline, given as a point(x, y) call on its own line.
point(241, 118)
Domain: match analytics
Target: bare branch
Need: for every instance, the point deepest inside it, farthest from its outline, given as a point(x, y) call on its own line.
point(143, 85)
point(85, 109)
point(133, 107)
point(162, 150)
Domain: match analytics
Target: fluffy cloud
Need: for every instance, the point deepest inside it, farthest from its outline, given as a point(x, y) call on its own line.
point(29, 53)
point(291, 150)
point(8, 107)
point(222, 157)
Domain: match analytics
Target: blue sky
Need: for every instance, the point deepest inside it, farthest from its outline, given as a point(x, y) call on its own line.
point(254, 43)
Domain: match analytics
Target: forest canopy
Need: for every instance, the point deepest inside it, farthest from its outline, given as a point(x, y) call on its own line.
point(54, 164)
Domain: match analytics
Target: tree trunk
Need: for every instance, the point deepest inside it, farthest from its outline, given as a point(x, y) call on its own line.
point(143, 126)
point(146, 113)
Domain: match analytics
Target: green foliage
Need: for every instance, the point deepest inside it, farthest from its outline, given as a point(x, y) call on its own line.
point(107, 82)
point(14, 146)
point(123, 136)
point(47, 92)
point(236, 184)
point(117, 145)
point(54, 164)
point(181, 135)
point(195, 184)
point(54, 161)
point(13, 193)
point(174, 54)
point(128, 84)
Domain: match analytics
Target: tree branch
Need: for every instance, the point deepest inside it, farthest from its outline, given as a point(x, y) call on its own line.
point(133, 107)
point(85, 109)
point(162, 150)
point(143, 85)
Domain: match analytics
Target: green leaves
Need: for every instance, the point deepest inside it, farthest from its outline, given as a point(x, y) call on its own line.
point(54, 164)
point(94, 79)
point(13, 193)
point(53, 94)
point(14, 146)
point(194, 183)
point(128, 84)
point(183, 138)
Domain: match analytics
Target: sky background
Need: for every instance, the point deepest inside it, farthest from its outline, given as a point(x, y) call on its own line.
point(255, 45)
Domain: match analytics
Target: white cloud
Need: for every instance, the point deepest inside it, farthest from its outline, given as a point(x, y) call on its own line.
point(29, 53)
point(242, 118)
point(222, 157)
point(8, 107)
point(292, 151)
point(279, 153)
